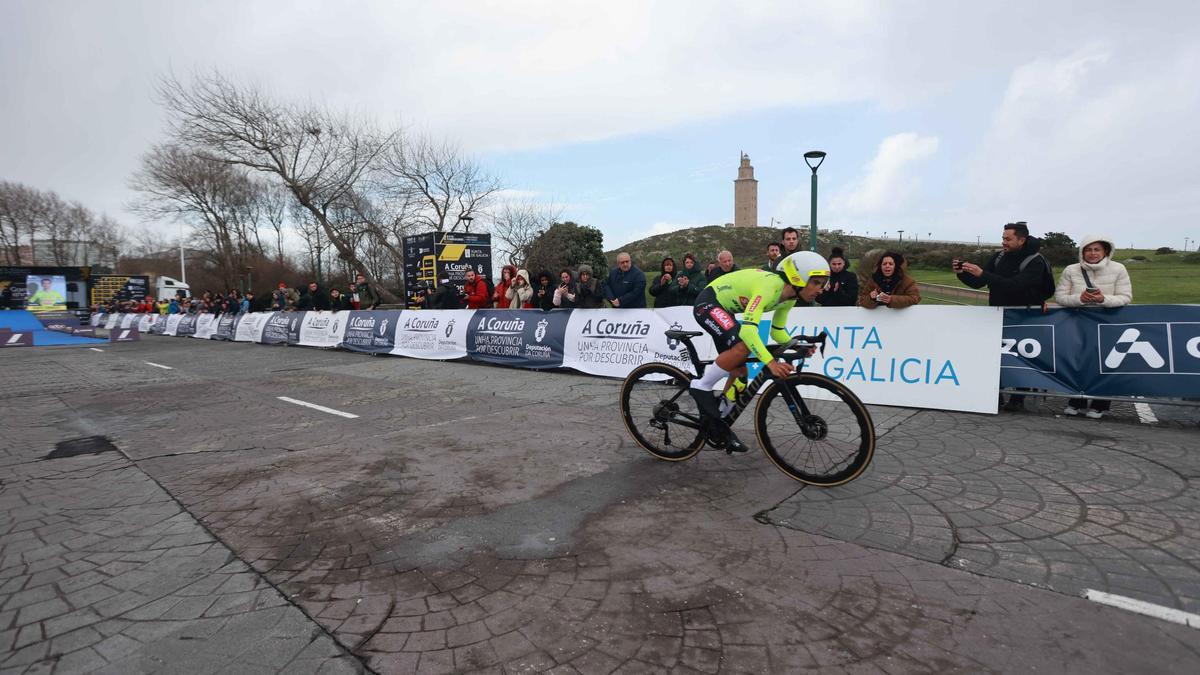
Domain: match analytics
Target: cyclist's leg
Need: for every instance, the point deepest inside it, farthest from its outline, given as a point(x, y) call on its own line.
point(733, 354)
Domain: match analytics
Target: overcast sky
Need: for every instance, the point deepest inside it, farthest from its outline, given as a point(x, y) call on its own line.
point(939, 118)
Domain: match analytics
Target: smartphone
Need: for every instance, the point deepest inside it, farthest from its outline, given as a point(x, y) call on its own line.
point(957, 264)
point(1092, 290)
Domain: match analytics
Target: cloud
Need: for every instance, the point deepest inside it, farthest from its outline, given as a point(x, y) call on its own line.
point(888, 180)
point(1099, 138)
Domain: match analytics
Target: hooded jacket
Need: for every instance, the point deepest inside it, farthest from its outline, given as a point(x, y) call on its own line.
point(900, 286)
point(500, 293)
point(519, 297)
point(668, 294)
point(1108, 275)
point(543, 296)
point(1009, 285)
point(477, 293)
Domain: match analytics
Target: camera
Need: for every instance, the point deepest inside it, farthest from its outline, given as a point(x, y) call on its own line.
point(957, 264)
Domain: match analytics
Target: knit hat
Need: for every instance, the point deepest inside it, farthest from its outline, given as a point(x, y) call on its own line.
point(584, 267)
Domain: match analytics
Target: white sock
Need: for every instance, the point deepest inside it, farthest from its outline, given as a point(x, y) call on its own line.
point(712, 374)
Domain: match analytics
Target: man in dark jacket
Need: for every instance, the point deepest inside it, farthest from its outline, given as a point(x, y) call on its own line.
point(445, 296)
point(842, 290)
point(724, 266)
point(626, 285)
point(1017, 276)
point(314, 298)
point(367, 297)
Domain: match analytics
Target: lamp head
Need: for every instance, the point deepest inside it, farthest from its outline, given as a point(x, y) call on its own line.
point(811, 156)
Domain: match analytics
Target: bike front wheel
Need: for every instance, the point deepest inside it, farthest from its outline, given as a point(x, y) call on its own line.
point(815, 429)
point(659, 412)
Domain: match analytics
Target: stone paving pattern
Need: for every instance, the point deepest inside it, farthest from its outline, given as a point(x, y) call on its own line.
point(494, 520)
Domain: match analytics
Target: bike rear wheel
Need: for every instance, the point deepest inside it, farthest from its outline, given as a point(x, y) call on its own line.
point(659, 412)
point(815, 429)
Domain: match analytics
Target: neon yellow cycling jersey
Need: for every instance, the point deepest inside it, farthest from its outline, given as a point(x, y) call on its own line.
point(752, 292)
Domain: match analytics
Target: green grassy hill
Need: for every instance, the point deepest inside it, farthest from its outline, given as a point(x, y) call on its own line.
point(1157, 279)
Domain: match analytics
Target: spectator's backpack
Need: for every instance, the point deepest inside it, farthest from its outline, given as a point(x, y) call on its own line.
point(1046, 287)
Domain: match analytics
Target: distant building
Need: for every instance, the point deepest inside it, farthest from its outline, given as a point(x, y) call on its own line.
point(745, 195)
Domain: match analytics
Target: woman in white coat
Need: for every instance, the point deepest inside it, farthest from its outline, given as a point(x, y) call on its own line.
point(1095, 281)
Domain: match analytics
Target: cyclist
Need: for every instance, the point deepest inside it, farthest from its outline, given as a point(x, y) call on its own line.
point(802, 274)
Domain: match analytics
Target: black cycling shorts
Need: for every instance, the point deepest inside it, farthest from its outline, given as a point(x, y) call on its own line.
point(716, 321)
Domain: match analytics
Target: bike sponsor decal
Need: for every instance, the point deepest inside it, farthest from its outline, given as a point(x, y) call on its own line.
point(754, 305)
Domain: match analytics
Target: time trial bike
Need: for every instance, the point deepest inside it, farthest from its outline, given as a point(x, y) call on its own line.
point(811, 426)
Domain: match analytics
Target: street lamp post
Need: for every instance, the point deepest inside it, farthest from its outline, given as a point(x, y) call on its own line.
point(901, 233)
point(467, 222)
point(809, 157)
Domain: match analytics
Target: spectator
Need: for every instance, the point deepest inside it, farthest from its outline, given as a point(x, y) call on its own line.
point(774, 253)
point(445, 296)
point(352, 298)
point(315, 298)
point(590, 293)
point(163, 307)
point(543, 292)
point(279, 298)
point(519, 293)
point(890, 285)
point(337, 301)
point(500, 294)
point(691, 281)
point(567, 291)
point(626, 284)
point(173, 306)
point(791, 241)
point(367, 297)
point(724, 266)
point(665, 288)
point(246, 300)
point(1095, 281)
point(476, 291)
point(842, 290)
point(708, 270)
point(1016, 276)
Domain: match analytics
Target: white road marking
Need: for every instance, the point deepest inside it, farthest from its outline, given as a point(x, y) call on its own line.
point(96, 350)
point(1145, 414)
point(158, 365)
point(1146, 608)
point(314, 406)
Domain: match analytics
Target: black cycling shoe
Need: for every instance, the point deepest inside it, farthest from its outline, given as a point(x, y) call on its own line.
point(732, 443)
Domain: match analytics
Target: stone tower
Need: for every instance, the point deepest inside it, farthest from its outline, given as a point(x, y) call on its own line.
point(745, 195)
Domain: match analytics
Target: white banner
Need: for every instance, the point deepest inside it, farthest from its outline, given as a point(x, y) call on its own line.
point(127, 320)
point(323, 329)
point(112, 320)
point(95, 320)
point(206, 325)
point(172, 324)
point(145, 321)
point(927, 356)
point(614, 342)
point(250, 326)
point(433, 334)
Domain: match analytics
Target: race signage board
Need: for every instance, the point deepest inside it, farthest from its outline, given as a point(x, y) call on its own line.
point(433, 335)
point(322, 329)
point(371, 331)
point(527, 338)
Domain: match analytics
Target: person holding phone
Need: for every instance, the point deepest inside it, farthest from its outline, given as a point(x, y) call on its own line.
point(1095, 281)
point(665, 287)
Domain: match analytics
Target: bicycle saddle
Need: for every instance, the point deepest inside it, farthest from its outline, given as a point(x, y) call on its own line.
point(680, 334)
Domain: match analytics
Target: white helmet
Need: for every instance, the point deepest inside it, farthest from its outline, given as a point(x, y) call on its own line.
point(802, 266)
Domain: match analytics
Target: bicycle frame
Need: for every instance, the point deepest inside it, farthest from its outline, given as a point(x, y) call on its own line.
point(796, 347)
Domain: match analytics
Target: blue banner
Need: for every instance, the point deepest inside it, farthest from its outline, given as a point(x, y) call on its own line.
point(1141, 350)
point(371, 331)
point(527, 338)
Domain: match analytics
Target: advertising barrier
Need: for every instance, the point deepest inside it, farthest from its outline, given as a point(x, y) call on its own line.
point(124, 335)
point(926, 356)
point(1142, 350)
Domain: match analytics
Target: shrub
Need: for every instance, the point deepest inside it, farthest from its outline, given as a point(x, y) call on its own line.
point(1191, 258)
point(1164, 250)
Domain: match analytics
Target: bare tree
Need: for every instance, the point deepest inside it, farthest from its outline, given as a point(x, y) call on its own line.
point(516, 225)
point(437, 179)
point(318, 156)
point(217, 198)
point(39, 227)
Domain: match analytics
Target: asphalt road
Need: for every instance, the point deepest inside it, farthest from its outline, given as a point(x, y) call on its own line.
point(471, 518)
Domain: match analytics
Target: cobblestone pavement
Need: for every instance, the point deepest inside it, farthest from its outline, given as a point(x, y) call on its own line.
point(485, 519)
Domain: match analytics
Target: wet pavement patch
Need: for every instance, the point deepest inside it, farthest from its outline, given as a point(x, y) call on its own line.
point(88, 445)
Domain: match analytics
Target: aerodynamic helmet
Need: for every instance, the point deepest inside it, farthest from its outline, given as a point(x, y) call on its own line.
point(802, 266)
